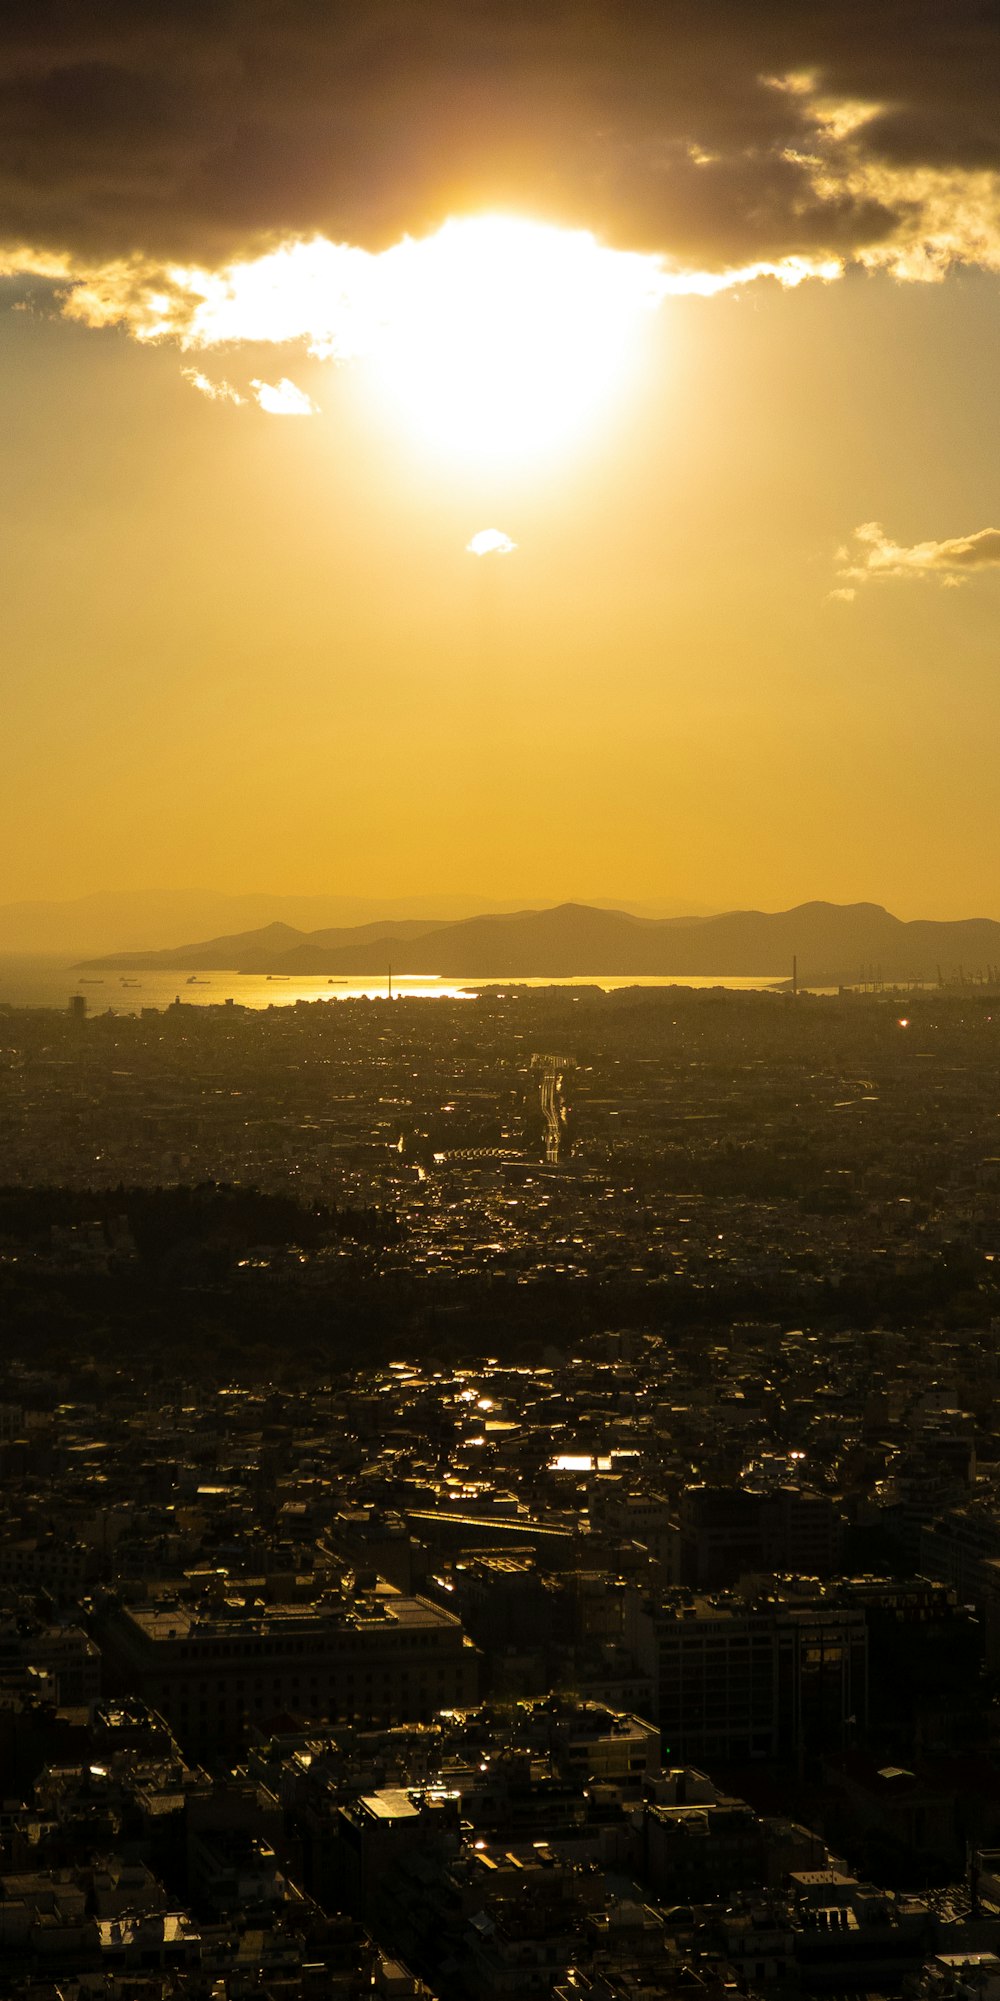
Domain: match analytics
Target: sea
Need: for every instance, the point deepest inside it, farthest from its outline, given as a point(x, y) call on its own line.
point(50, 981)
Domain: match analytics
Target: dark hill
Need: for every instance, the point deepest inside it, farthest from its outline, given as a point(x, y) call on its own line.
point(832, 942)
point(261, 951)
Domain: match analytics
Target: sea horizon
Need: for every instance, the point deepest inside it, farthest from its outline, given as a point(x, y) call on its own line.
point(48, 980)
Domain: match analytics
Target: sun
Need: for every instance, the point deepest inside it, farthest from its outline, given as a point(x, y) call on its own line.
point(499, 337)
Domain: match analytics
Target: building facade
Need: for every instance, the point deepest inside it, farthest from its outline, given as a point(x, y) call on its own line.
point(213, 1673)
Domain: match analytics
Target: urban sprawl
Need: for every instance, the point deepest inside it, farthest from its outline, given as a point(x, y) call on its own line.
point(501, 1497)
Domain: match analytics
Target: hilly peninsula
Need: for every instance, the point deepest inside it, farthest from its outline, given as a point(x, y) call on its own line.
point(832, 944)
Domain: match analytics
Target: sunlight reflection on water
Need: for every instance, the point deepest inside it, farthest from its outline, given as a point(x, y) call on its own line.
point(49, 982)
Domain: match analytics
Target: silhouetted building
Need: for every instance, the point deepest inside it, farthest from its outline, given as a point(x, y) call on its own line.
point(725, 1533)
point(737, 1678)
point(212, 1673)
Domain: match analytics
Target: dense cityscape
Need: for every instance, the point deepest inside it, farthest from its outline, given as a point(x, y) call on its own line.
point(501, 1497)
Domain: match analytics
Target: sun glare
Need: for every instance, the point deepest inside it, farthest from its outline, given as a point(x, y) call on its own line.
point(499, 337)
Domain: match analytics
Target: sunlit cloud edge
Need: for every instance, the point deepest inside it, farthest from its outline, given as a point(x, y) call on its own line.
point(333, 299)
point(951, 562)
point(328, 297)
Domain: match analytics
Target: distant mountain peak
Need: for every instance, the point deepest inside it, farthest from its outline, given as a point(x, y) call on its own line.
point(832, 943)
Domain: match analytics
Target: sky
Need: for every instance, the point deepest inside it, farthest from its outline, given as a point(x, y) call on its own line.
point(694, 307)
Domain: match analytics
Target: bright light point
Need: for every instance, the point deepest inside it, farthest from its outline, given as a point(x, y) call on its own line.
point(490, 542)
point(501, 339)
point(904, 1021)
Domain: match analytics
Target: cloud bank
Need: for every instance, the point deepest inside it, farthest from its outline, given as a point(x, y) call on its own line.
point(232, 170)
point(192, 131)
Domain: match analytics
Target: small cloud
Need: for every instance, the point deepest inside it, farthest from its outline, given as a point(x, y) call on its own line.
point(844, 594)
point(283, 399)
point(218, 392)
point(490, 542)
point(952, 561)
point(795, 82)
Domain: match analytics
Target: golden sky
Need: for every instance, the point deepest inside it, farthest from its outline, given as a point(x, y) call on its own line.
point(743, 650)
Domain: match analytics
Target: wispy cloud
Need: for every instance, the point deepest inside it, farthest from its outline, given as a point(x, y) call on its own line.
point(283, 399)
point(924, 217)
point(217, 392)
point(279, 399)
point(952, 561)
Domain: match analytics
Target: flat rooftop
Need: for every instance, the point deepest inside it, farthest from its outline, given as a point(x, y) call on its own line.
point(166, 1624)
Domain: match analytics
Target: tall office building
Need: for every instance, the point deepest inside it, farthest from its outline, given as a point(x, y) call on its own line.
point(737, 1678)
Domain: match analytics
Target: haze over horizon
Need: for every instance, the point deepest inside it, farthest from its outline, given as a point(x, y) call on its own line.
point(505, 448)
point(139, 920)
point(147, 928)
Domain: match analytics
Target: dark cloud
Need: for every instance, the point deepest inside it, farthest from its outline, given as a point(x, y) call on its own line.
point(195, 128)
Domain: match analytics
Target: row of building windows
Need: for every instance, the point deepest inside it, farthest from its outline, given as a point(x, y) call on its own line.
point(167, 1690)
point(202, 1650)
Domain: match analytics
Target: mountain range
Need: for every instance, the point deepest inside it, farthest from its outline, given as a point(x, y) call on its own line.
point(832, 943)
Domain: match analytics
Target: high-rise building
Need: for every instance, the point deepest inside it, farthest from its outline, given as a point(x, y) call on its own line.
point(736, 1678)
